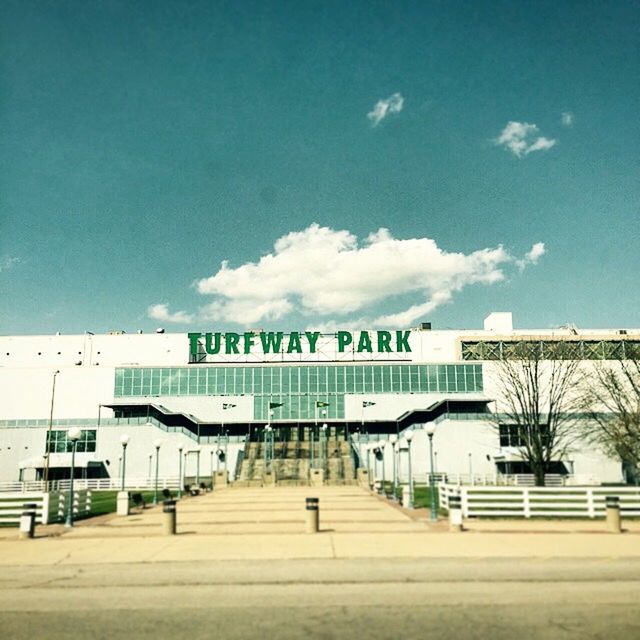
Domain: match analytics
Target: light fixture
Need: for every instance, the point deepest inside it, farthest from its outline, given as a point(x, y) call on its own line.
point(430, 428)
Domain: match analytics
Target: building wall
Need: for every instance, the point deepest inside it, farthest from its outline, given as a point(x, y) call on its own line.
point(87, 366)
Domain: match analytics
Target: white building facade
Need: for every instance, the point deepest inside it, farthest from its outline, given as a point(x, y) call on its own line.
point(194, 400)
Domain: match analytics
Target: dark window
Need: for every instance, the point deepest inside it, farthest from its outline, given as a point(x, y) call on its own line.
point(57, 441)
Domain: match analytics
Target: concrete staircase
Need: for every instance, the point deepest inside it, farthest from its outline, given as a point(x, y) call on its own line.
point(292, 461)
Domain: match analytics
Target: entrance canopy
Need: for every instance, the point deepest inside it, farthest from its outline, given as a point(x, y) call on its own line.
point(82, 460)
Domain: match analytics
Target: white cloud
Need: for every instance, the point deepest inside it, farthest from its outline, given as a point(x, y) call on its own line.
point(161, 312)
point(567, 119)
point(383, 108)
point(532, 256)
point(7, 262)
point(327, 273)
point(521, 138)
point(537, 251)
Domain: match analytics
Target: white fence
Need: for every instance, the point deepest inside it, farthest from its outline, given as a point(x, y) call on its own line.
point(502, 480)
point(539, 502)
point(95, 484)
point(50, 507)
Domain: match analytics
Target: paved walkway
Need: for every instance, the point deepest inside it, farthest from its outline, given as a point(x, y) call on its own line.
point(268, 524)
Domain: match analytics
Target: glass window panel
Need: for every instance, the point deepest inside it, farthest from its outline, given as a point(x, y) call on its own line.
point(331, 379)
point(294, 379)
point(257, 379)
point(238, 380)
point(358, 386)
point(192, 381)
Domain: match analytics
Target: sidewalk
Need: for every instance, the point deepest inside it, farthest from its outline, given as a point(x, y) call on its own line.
point(268, 524)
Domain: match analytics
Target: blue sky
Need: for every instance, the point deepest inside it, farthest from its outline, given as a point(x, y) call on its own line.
point(146, 143)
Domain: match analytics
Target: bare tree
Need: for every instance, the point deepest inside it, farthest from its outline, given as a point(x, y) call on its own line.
point(612, 398)
point(537, 395)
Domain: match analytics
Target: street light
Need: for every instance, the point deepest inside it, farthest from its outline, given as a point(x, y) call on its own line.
point(179, 473)
point(267, 441)
point(74, 435)
point(393, 439)
point(381, 446)
point(48, 442)
point(409, 437)
point(124, 440)
point(157, 444)
point(197, 466)
point(323, 445)
point(430, 429)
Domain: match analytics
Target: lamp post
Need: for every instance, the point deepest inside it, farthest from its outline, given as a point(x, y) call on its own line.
point(179, 473)
point(381, 445)
point(430, 428)
point(409, 437)
point(124, 441)
point(323, 445)
point(157, 444)
point(372, 470)
point(393, 439)
point(267, 441)
point(470, 469)
point(48, 442)
point(311, 459)
point(74, 435)
point(197, 466)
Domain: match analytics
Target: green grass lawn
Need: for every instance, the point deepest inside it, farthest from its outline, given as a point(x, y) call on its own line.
point(106, 501)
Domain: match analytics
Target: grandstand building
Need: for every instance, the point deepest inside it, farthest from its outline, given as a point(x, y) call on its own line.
point(205, 401)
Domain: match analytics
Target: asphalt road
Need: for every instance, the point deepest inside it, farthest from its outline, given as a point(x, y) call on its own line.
point(382, 598)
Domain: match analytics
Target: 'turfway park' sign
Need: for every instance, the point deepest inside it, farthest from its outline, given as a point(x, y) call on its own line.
point(297, 342)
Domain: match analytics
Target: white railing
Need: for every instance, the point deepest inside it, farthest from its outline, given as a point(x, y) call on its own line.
point(93, 484)
point(542, 502)
point(50, 507)
point(514, 480)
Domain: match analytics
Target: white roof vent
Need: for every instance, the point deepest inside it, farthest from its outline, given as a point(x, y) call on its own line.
point(499, 322)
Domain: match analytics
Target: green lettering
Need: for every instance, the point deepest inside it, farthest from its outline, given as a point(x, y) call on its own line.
point(344, 340)
point(248, 341)
point(193, 343)
point(384, 341)
point(211, 350)
point(294, 343)
point(402, 341)
point(231, 343)
point(312, 337)
point(271, 341)
point(364, 344)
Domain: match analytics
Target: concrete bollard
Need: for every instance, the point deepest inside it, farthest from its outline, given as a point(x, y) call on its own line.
point(312, 512)
point(316, 478)
point(169, 517)
point(613, 514)
point(27, 521)
point(378, 487)
point(455, 514)
point(221, 478)
point(122, 503)
point(406, 497)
